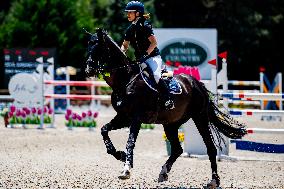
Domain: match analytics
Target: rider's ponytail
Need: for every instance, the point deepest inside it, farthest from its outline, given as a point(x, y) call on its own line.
point(146, 16)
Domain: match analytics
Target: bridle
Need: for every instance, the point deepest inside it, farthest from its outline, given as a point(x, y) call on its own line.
point(107, 56)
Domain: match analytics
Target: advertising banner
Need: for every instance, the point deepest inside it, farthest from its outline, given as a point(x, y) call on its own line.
point(188, 47)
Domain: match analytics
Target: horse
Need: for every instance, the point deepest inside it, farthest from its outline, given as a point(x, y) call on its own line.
point(142, 104)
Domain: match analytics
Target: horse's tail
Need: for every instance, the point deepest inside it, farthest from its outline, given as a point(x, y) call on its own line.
point(218, 120)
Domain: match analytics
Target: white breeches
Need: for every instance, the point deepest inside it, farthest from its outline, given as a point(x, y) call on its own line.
point(155, 64)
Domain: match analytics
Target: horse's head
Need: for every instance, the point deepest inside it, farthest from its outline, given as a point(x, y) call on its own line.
point(104, 55)
point(93, 63)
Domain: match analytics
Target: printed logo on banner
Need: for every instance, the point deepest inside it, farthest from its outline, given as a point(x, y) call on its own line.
point(184, 52)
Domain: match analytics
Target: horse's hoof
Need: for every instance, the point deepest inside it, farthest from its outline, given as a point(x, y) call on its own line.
point(163, 177)
point(212, 184)
point(124, 175)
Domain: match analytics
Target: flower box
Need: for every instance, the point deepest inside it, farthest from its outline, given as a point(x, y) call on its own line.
point(85, 119)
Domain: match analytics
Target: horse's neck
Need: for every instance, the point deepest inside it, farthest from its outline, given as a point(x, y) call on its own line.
point(117, 80)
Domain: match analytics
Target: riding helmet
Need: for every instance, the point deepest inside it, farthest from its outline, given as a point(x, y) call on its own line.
point(135, 6)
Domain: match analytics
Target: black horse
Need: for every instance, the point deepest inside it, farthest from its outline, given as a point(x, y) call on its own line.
point(141, 104)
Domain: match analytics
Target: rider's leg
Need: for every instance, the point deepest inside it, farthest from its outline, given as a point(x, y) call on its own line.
point(163, 89)
point(155, 63)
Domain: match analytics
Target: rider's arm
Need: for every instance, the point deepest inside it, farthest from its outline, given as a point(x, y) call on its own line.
point(153, 44)
point(124, 46)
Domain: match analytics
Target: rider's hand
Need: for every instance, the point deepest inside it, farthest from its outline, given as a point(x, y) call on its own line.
point(143, 58)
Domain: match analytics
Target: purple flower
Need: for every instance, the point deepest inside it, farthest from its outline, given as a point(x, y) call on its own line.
point(18, 113)
point(50, 111)
point(74, 116)
point(79, 117)
point(11, 114)
point(39, 111)
point(33, 110)
point(68, 112)
point(84, 114)
point(12, 108)
point(89, 113)
point(67, 117)
point(45, 109)
point(96, 114)
point(23, 114)
point(28, 112)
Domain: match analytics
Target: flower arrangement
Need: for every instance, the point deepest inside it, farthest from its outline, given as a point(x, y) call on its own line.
point(85, 119)
point(27, 115)
point(180, 137)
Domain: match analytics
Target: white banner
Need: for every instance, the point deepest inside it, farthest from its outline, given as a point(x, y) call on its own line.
point(188, 47)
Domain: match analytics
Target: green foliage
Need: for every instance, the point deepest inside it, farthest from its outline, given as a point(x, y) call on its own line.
point(147, 126)
point(54, 23)
point(251, 31)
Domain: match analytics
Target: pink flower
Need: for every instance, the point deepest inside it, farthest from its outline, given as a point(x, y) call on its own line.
point(23, 114)
point(18, 113)
point(84, 114)
point(89, 113)
point(68, 112)
point(39, 111)
point(11, 114)
point(12, 108)
point(33, 110)
point(28, 112)
point(67, 117)
point(74, 116)
point(96, 114)
point(79, 117)
point(50, 111)
point(45, 109)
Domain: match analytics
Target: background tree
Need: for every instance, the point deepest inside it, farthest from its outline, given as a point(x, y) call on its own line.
point(49, 24)
point(251, 31)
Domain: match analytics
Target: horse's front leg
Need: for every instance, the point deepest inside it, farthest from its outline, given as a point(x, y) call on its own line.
point(134, 130)
point(117, 122)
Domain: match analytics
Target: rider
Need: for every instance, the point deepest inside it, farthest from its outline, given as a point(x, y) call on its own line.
point(140, 35)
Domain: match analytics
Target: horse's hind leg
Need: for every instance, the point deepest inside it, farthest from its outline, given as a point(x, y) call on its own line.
point(117, 122)
point(171, 132)
point(202, 124)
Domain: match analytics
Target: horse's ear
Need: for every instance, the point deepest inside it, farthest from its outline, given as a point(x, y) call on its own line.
point(101, 31)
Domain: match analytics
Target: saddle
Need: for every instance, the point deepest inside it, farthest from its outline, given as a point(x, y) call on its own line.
point(147, 76)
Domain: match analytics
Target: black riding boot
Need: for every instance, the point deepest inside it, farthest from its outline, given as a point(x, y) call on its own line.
point(163, 89)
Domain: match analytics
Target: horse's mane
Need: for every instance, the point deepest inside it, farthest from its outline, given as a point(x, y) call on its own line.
point(111, 43)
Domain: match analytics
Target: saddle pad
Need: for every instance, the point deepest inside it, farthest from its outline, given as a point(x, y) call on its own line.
point(173, 85)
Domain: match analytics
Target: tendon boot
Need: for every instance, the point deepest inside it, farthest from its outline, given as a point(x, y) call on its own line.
point(165, 93)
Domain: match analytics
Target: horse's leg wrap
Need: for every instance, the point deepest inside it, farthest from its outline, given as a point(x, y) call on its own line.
point(116, 123)
point(134, 131)
point(109, 146)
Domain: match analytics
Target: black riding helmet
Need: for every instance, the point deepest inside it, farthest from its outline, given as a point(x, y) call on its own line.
point(135, 6)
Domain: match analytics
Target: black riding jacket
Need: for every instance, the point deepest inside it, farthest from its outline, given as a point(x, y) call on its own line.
point(138, 35)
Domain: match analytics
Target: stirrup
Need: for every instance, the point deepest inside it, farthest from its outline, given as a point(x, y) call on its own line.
point(169, 104)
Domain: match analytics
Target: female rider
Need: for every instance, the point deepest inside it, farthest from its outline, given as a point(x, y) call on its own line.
point(140, 35)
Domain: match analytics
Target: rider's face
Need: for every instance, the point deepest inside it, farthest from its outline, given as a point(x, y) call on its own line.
point(131, 16)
